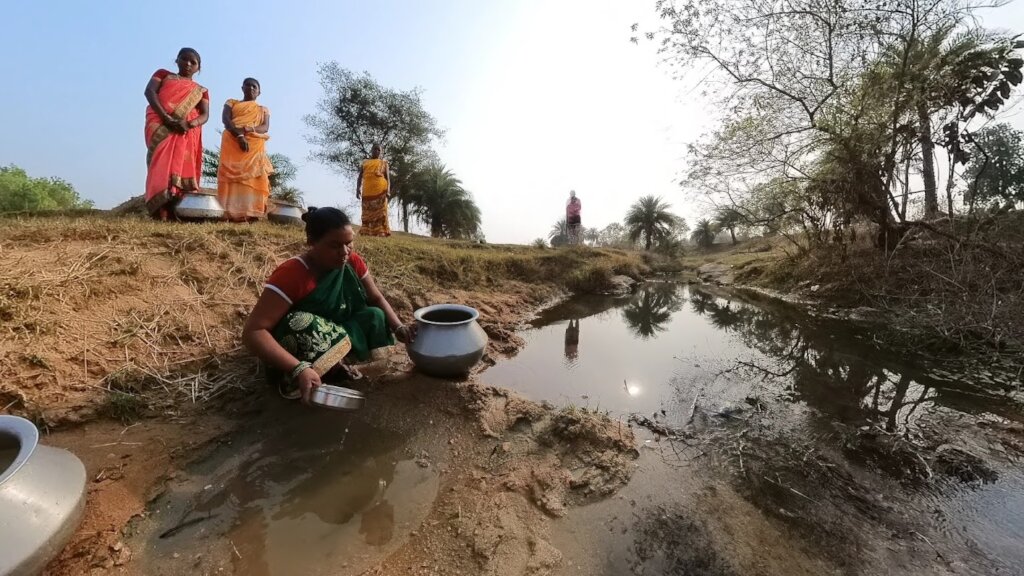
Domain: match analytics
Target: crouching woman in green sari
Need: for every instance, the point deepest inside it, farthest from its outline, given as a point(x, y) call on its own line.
point(320, 311)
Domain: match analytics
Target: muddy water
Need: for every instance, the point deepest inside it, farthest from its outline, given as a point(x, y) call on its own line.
point(772, 442)
point(302, 492)
point(801, 426)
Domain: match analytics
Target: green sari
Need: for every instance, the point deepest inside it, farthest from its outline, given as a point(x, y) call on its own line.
point(333, 322)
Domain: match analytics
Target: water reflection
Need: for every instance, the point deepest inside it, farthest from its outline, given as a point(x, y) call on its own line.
point(572, 342)
point(650, 312)
point(830, 366)
point(304, 500)
point(792, 403)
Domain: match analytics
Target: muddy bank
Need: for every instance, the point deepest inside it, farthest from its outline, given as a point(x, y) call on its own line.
point(431, 477)
point(122, 335)
point(849, 456)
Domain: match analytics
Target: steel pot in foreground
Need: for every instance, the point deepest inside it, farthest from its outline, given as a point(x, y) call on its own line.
point(337, 398)
point(42, 497)
point(449, 342)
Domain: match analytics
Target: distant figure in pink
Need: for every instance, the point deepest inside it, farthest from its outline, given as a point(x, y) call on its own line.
point(572, 218)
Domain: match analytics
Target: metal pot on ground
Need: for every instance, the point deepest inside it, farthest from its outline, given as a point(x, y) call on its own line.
point(42, 498)
point(449, 341)
point(282, 212)
point(199, 205)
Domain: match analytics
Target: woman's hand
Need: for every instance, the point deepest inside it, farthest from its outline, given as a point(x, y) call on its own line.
point(243, 143)
point(172, 123)
point(406, 333)
point(308, 380)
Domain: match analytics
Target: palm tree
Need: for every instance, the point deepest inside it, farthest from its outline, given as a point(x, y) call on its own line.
point(559, 233)
point(438, 200)
point(728, 219)
point(406, 163)
point(941, 66)
point(704, 234)
point(288, 194)
point(649, 218)
point(284, 170)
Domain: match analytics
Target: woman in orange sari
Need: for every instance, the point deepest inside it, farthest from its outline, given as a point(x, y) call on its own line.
point(374, 185)
point(178, 108)
point(243, 179)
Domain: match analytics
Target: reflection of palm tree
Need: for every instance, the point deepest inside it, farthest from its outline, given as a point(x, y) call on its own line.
point(654, 306)
point(804, 355)
point(724, 317)
point(700, 301)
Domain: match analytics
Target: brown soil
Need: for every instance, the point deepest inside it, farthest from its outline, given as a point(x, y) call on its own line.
point(125, 466)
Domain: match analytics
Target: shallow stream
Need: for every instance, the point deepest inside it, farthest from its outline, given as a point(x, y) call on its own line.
point(771, 438)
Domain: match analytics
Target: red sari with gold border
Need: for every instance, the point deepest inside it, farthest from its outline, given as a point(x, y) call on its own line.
point(175, 160)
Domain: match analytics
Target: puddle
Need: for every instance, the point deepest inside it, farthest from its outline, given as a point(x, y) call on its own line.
point(670, 343)
point(317, 493)
point(812, 421)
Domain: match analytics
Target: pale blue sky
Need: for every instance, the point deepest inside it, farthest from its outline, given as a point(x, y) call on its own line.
point(537, 96)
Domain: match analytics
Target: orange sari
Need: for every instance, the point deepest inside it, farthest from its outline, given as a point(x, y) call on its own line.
point(375, 201)
point(175, 160)
point(243, 179)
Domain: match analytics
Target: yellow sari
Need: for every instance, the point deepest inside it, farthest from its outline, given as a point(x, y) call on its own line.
point(243, 179)
point(375, 201)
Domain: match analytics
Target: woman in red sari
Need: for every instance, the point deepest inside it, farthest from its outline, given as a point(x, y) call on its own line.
point(178, 108)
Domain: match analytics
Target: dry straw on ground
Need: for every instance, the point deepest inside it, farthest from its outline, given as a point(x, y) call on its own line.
point(123, 315)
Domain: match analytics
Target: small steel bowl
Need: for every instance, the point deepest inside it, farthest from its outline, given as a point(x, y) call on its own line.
point(337, 398)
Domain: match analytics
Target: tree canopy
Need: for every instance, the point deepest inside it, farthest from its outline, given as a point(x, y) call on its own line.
point(356, 112)
point(21, 192)
point(830, 105)
point(996, 174)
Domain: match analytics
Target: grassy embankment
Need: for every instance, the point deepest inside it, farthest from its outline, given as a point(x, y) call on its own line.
point(118, 317)
point(955, 287)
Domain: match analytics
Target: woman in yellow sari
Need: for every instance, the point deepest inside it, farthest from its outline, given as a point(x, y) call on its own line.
point(243, 178)
point(374, 185)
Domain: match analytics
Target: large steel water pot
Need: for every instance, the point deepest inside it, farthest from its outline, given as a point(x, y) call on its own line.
point(200, 205)
point(449, 341)
point(42, 497)
point(285, 213)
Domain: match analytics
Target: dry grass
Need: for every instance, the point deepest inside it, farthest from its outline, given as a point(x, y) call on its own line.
point(123, 316)
point(751, 259)
point(961, 285)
